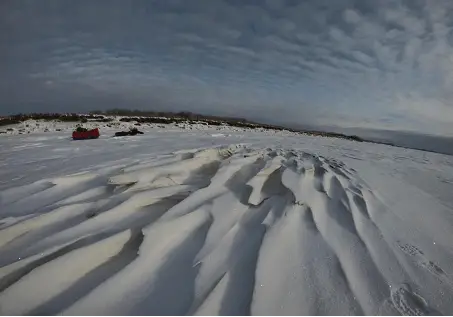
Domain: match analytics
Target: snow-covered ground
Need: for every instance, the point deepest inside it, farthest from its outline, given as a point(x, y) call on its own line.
point(208, 220)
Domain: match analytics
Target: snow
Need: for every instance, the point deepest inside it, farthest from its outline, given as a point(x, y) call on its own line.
point(49, 281)
point(196, 219)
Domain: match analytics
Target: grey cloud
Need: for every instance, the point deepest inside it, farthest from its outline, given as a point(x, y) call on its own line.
point(351, 16)
point(362, 57)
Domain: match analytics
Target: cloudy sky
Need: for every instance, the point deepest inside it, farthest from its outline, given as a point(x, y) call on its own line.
point(384, 64)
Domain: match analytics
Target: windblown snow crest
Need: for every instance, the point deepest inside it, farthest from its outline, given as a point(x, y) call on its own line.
point(230, 230)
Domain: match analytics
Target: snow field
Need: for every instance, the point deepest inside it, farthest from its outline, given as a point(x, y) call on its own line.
point(224, 229)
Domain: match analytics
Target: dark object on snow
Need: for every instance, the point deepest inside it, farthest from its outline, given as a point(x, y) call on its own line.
point(84, 134)
point(133, 131)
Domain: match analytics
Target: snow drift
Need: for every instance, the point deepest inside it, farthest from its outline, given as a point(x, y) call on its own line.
point(232, 229)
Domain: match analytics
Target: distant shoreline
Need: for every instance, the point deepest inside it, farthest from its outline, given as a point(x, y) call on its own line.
point(191, 118)
point(164, 118)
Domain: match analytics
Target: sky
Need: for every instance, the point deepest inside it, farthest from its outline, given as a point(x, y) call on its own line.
point(380, 64)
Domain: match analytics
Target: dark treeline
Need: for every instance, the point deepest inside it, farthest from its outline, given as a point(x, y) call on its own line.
point(169, 115)
point(18, 118)
point(63, 117)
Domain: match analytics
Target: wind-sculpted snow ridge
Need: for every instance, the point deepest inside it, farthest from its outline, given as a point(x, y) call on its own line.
point(218, 231)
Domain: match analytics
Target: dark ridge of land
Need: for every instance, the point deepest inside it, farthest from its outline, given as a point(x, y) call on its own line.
point(163, 118)
point(434, 144)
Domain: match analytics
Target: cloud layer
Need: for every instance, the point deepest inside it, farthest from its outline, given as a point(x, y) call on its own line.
point(366, 63)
